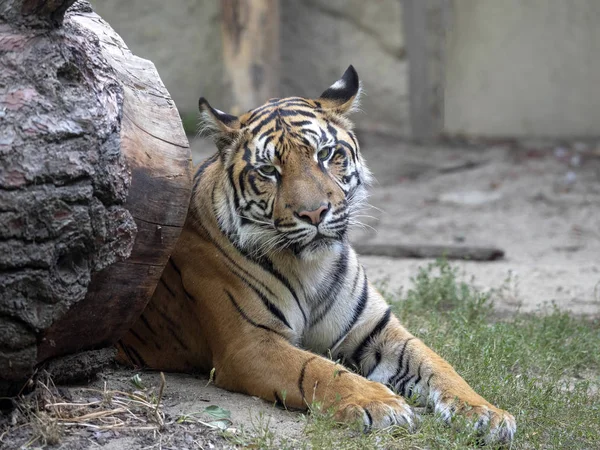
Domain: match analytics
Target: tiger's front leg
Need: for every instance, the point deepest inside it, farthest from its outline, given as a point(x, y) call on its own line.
point(267, 366)
point(386, 352)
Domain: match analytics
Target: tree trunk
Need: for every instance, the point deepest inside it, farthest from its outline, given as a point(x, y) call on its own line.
point(250, 32)
point(94, 183)
point(425, 27)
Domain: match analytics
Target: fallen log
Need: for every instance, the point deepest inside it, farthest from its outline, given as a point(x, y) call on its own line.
point(472, 253)
point(95, 180)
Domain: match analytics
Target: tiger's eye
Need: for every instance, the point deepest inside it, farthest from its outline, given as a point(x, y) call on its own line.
point(324, 154)
point(267, 170)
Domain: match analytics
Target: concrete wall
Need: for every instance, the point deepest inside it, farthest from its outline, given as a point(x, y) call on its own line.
point(181, 37)
point(319, 39)
point(523, 68)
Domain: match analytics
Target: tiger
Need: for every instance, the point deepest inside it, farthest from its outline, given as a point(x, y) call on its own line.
point(264, 291)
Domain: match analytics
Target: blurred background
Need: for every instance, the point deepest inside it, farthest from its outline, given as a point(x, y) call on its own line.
point(476, 67)
point(480, 117)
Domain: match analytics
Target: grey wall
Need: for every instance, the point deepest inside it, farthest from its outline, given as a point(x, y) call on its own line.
point(319, 39)
point(524, 68)
point(181, 37)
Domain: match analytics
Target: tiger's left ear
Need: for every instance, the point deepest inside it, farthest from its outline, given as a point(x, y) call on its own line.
point(343, 96)
point(222, 127)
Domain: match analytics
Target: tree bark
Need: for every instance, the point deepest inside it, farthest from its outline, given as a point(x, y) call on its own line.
point(34, 13)
point(95, 179)
point(250, 31)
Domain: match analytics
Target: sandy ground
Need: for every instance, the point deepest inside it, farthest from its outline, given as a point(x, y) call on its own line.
point(540, 204)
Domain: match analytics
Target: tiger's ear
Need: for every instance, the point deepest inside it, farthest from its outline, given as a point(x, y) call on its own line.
point(222, 127)
point(343, 95)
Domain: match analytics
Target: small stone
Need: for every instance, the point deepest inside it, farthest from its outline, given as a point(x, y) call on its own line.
point(570, 177)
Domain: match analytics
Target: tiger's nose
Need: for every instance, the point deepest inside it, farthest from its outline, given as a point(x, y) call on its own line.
point(316, 216)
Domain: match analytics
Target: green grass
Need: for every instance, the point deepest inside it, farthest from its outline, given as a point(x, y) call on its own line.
point(544, 369)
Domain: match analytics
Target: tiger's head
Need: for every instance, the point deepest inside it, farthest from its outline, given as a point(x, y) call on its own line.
point(291, 169)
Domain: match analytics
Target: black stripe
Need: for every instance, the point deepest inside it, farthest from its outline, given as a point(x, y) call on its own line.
point(340, 272)
point(203, 168)
point(137, 336)
point(342, 218)
point(164, 315)
point(331, 129)
point(166, 286)
point(278, 401)
point(416, 382)
point(189, 296)
point(344, 143)
point(360, 306)
point(394, 379)
point(140, 361)
point(406, 382)
point(301, 378)
point(236, 198)
point(292, 101)
point(399, 379)
point(127, 354)
point(248, 319)
point(372, 336)
point(300, 123)
point(264, 135)
point(295, 112)
point(270, 306)
point(368, 427)
point(175, 267)
point(170, 325)
point(175, 336)
point(355, 281)
point(296, 234)
point(429, 379)
point(377, 361)
point(139, 357)
point(146, 323)
point(264, 122)
point(267, 265)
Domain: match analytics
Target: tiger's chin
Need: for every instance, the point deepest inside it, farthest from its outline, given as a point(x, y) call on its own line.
point(318, 248)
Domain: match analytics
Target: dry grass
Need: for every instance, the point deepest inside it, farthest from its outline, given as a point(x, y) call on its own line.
point(45, 415)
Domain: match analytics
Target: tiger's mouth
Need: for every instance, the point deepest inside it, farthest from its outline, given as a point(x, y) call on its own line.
point(319, 242)
point(321, 237)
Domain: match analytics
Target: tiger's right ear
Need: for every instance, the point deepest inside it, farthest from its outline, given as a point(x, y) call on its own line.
point(222, 127)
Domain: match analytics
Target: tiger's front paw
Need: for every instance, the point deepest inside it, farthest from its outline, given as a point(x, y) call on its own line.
point(377, 407)
point(494, 424)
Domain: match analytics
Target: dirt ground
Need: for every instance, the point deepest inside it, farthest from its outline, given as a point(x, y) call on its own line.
point(539, 203)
